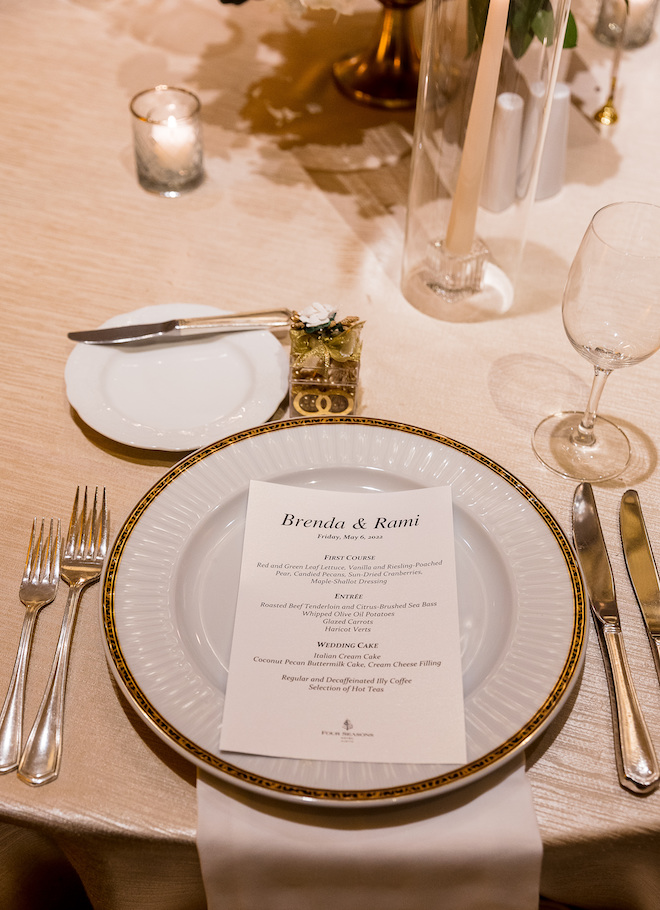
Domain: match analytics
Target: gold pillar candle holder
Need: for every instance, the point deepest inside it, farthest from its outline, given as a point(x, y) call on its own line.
point(324, 363)
point(386, 73)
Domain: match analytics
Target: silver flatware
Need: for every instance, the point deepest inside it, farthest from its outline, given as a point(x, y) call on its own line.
point(636, 761)
point(174, 329)
point(84, 552)
point(641, 567)
point(38, 588)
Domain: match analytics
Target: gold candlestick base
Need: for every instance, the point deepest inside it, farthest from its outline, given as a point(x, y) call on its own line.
point(607, 115)
point(387, 73)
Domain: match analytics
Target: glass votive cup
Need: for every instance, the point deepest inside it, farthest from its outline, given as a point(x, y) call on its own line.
point(629, 22)
point(167, 140)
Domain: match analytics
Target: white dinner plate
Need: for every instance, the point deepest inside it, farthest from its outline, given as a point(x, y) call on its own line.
point(177, 396)
point(171, 583)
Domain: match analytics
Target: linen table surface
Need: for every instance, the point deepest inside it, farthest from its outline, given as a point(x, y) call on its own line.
point(304, 200)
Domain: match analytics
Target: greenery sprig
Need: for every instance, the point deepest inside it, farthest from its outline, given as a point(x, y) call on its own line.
point(323, 325)
point(528, 19)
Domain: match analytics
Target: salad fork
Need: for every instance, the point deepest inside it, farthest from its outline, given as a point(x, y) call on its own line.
point(82, 563)
point(38, 588)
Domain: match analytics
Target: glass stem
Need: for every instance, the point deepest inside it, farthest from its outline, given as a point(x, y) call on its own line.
point(585, 435)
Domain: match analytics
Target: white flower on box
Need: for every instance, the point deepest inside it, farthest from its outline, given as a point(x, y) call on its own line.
point(316, 314)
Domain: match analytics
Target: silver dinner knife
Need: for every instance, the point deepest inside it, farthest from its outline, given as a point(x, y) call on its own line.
point(186, 328)
point(636, 761)
point(641, 567)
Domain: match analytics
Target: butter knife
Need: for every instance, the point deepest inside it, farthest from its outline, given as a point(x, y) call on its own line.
point(636, 761)
point(186, 328)
point(641, 567)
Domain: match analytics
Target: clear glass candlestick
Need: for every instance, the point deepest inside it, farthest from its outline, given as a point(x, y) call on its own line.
point(611, 315)
point(167, 139)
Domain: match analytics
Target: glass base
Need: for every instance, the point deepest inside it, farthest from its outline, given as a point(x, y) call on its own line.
point(555, 446)
point(172, 188)
point(456, 274)
point(494, 298)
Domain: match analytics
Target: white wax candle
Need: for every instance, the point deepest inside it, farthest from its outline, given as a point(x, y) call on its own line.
point(174, 143)
point(463, 217)
point(501, 171)
point(553, 159)
point(530, 135)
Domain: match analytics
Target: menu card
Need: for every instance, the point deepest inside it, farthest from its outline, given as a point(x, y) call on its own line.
point(346, 640)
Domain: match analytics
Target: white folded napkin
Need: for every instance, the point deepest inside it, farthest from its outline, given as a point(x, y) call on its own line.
point(478, 848)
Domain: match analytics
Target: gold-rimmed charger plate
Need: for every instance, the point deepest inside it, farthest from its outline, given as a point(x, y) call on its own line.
point(172, 577)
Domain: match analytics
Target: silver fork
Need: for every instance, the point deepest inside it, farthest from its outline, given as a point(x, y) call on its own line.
point(82, 563)
point(38, 588)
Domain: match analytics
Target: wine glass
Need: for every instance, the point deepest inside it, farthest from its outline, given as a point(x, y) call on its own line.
point(611, 314)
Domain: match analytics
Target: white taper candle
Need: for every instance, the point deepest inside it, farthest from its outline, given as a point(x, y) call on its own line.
point(463, 216)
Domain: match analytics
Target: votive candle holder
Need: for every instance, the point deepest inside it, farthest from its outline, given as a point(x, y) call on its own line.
point(167, 140)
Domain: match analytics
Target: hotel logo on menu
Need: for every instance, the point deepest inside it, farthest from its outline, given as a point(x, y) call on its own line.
point(345, 733)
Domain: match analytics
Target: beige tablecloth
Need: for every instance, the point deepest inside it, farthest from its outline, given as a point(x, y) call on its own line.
point(80, 242)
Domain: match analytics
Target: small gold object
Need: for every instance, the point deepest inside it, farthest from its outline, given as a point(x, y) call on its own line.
point(607, 114)
point(324, 363)
point(336, 402)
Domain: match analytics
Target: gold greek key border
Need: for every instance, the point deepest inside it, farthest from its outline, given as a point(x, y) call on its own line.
point(206, 759)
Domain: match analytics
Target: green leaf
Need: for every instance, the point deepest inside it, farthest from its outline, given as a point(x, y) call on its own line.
point(477, 14)
point(519, 43)
point(528, 19)
point(543, 26)
point(523, 13)
point(571, 37)
point(521, 18)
